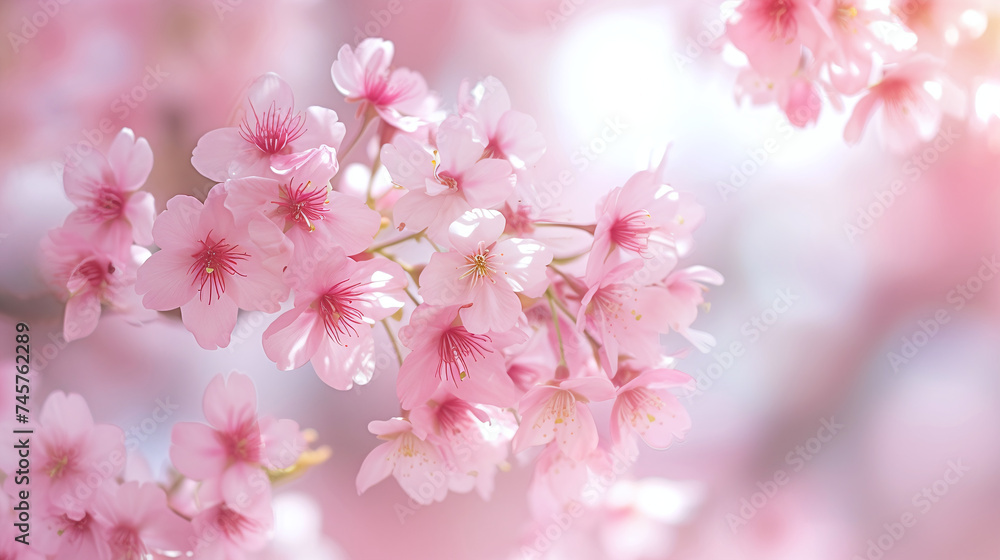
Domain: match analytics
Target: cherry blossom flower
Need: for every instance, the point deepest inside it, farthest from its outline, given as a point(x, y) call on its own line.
point(234, 445)
point(909, 102)
point(77, 458)
point(407, 455)
point(210, 266)
point(773, 32)
point(446, 355)
point(798, 95)
point(559, 413)
point(88, 274)
point(81, 537)
point(302, 204)
point(136, 522)
point(443, 186)
point(469, 444)
point(560, 480)
point(685, 292)
point(398, 95)
point(849, 53)
point(509, 134)
point(336, 304)
point(105, 190)
point(484, 274)
point(227, 532)
point(645, 406)
point(644, 217)
point(271, 134)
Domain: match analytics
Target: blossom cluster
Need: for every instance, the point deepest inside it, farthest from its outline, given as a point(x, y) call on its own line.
point(894, 55)
point(93, 495)
point(505, 335)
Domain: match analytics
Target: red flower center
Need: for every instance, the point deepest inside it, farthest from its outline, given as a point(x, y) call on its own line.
point(458, 344)
point(338, 312)
point(273, 129)
point(302, 205)
point(213, 264)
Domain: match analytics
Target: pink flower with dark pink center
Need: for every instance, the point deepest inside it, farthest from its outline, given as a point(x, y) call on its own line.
point(773, 32)
point(88, 274)
point(235, 445)
point(509, 134)
point(447, 357)
point(444, 185)
point(211, 266)
point(313, 216)
point(227, 531)
point(105, 190)
point(271, 135)
point(398, 95)
point(337, 300)
point(137, 522)
point(484, 274)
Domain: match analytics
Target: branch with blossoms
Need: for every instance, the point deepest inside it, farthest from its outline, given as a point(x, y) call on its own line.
point(506, 327)
point(896, 56)
point(92, 495)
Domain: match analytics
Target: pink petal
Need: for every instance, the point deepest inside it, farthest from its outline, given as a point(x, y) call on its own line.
point(196, 452)
point(860, 117)
point(82, 314)
point(488, 183)
point(440, 283)
point(283, 442)
point(131, 160)
point(216, 151)
point(211, 324)
point(376, 467)
point(495, 307)
point(476, 226)
point(230, 402)
point(293, 338)
point(341, 365)
point(140, 211)
point(164, 280)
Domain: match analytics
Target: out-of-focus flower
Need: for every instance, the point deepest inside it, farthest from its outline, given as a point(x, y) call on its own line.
point(234, 446)
point(137, 522)
point(773, 32)
point(398, 95)
point(645, 406)
point(89, 273)
point(105, 190)
point(509, 134)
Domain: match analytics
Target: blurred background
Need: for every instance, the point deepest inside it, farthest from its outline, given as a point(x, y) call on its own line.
point(855, 385)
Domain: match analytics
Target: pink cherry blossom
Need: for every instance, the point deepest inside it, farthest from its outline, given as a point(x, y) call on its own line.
point(407, 455)
point(136, 522)
point(445, 355)
point(560, 413)
point(105, 190)
point(685, 292)
point(908, 100)
point(560, 480)
point(88, 274)
point(211, 266)
point(302, 204)
point(398, 95)
point(337, 300)
point(271, 134)
point(228, 531)
point(849, 55)
point(76, 457)
point(773, 32)
point(235, 444)
point(471, 442)
point(484, 274)
point(509, 134)
point(646, 406)
point(443, 186)
point(81, 537)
